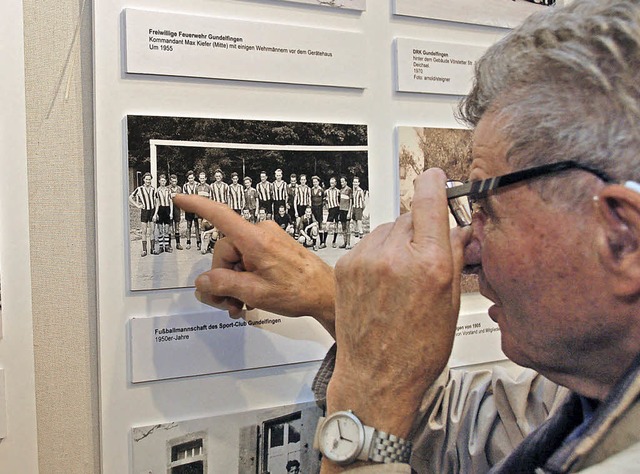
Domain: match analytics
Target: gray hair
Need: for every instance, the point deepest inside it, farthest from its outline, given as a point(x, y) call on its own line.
point(566, 85)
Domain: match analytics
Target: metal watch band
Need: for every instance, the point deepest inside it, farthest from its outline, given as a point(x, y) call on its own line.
point(388, 448)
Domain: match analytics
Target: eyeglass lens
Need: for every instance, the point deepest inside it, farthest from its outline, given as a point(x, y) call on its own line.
point(460, 207)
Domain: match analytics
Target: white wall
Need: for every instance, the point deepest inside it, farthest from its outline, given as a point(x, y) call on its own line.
point(18, 450)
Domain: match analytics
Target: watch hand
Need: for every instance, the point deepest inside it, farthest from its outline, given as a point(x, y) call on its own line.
point(340, 433)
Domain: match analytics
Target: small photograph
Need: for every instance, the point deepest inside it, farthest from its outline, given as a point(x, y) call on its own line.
point(346, 4)
point(310, 178)
point(500, 13)
point(276, 441)
point(422, 148)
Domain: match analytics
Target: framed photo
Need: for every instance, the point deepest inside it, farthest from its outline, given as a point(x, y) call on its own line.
point(302, 175)
point(421, 148)
point(500, 13)
point(276, 440)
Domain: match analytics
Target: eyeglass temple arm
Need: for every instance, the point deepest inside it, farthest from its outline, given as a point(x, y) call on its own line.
point(482, 187)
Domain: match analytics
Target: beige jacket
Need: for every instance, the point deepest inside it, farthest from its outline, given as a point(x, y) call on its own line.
point(471, 420)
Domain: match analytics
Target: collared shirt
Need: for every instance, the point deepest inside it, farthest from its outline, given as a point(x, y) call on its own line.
point(333, 197)
point(236, 196)
point(279, 190)
point(303, 195)
point(220, 192)
point(145, 195)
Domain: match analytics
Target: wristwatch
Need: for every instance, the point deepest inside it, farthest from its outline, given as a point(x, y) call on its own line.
point(343, 439)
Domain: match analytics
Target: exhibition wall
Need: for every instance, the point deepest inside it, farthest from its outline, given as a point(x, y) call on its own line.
point(18, 446)
point(85, 305)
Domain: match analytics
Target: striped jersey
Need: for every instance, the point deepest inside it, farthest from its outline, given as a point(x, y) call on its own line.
point(303, 195)
point(359, 196)
point(236, 196)
point(265, 191)
point(279, 190)
point(145, 195)
point(332, 196)
point(188, 188)
point(220, 191)
point(164, 196)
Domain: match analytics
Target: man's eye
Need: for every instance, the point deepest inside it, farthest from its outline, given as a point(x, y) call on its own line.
point(478, 206)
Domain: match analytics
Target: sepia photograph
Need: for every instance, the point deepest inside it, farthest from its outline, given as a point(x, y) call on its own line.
point(422, 148)
point(275, 440)
point(310, 178)
point(500, 13)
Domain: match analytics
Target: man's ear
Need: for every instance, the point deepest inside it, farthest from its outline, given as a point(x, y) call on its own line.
point(619, 249)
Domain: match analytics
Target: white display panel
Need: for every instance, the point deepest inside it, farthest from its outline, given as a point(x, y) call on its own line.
point(168, 347)
point(434, 67)
point(119, 94)
point(199, 46)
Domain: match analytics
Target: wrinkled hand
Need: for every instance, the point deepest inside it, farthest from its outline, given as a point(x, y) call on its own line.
point(260, 265)
point(397, 302)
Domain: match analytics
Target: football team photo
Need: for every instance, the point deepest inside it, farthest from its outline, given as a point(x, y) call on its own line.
point(310, 178)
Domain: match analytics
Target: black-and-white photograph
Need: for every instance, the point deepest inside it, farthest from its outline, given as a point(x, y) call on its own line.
point(310, 178)
point(501, 13)
point(276, 440)
point(421, 148)
point(346, 4)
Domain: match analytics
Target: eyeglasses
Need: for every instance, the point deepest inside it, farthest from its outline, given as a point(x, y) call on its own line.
point(461, 196)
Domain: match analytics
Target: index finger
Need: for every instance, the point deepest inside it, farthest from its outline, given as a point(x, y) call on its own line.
point(429, 208)
point(220, 215)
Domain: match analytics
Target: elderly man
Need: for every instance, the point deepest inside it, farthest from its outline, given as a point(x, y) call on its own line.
point(556, 244)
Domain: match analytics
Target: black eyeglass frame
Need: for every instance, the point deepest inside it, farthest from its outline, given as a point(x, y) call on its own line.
point(478, 189)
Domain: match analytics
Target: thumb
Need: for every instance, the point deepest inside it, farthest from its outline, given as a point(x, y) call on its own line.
point(460, 238)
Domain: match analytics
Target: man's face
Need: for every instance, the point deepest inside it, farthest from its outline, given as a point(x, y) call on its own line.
point(234, 179)
point(343, 182)
point(533, 257)
point(218, 177)
point(246, 214)
point(332, 182)
point(356, 182)
point(316, 183)
point(307, 212)
point(173, 181)
point(263, 177)
point(191, 178)
point(293, 180)
point(303, 180)
point(147, 180)
point(202, 177)
point(294, 470)
point(262, 214)
point(278, 175)
point(163, 181)
point(247, 184)
point(281, 210)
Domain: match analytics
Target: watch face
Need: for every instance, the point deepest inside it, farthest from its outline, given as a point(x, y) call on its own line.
point(342, 438)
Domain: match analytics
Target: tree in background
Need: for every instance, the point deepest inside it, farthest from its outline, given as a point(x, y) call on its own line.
point(180, 159)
